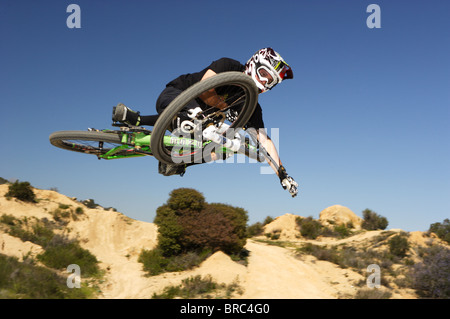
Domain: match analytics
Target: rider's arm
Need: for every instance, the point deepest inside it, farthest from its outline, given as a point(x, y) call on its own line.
point(267, 143)
point(210, 97)
point(287, 182)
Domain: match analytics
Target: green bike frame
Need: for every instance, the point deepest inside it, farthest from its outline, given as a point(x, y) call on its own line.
point(138, 144)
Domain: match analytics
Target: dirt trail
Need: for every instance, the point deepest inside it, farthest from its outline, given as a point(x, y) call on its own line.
point(274, 273)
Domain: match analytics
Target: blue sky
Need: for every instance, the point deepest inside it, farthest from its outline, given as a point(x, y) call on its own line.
point(364, 123)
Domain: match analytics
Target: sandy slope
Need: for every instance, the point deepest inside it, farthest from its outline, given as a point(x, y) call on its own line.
point(116, 240)
point(273, 272)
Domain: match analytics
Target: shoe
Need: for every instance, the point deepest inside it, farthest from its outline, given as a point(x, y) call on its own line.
point(171, 169)
point(124, 114)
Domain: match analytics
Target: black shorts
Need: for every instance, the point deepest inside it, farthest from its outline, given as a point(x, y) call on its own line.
point(170, 93)
point(167, 96)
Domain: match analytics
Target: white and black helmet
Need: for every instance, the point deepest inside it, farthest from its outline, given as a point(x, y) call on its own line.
point(267, 61)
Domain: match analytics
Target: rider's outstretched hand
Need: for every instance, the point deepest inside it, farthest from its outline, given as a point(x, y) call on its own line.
point(287, 182)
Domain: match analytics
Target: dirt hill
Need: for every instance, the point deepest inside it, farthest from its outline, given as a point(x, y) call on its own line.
point(275, 268)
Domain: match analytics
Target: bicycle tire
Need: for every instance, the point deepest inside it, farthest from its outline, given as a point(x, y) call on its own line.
point(167, 116)
point(66, 140)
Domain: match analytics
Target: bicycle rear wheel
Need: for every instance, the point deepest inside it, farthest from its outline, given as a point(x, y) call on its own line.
point(236, 89)
point(94, 143)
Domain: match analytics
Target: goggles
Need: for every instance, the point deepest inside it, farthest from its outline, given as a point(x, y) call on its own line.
point(284, 70)
point(265, 74)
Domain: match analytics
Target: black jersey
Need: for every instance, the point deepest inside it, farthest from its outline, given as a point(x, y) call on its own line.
point(222, 65)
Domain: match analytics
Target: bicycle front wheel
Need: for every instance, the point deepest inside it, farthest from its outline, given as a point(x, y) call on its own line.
point(237, 90)
point(95, 143)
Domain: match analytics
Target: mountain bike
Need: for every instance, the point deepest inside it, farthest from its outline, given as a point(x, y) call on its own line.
point(189, 130)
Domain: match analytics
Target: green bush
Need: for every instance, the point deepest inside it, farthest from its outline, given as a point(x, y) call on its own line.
point(398, 245)
point(155, 263)
point(8, 220)
point(189, 229)
point(373, 221)
point(169, 231)
point(309, 228)
point(61, 252)
point(442, 230)
point(255, 230)
point(22, 191)
point(267, 220)
point(187, 223)
point(190, 288)
point(343, 231)
point(38, 233)
point(186, 199)
point(371, 293)
point(20, 280)
point(90, 203)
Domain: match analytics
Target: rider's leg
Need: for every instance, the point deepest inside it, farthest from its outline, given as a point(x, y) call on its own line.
point(167, 96)
point(149, 120)
point(126, 115)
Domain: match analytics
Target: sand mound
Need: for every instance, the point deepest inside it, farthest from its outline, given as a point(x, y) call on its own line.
point(340, 215)
point(222, 268)
point(13, 246)
point(285, 226)
point(110, 235)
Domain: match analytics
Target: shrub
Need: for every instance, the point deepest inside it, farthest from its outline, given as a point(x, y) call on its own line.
point(186, 198)
point(8, 220)
point(442, 230)
point(431, 277)
point(373, 221)
point(187, 223)
point(255, 230)
point(216, 227)
point(90, 203)
point(321, 253)
point(190, 288)
point(20, 280)
point(309, 228)
point(189, 229)
point(268, 220)
point(169, 231)
point(371, 293)
point(22, 191)
point(155, 263)
point(62, 252)
point(343, 230)
point(398, 245)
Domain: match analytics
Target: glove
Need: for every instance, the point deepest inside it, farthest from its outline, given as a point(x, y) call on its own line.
point(287, 182)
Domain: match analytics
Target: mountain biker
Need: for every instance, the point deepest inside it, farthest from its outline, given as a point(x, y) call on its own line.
point(266, 67)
